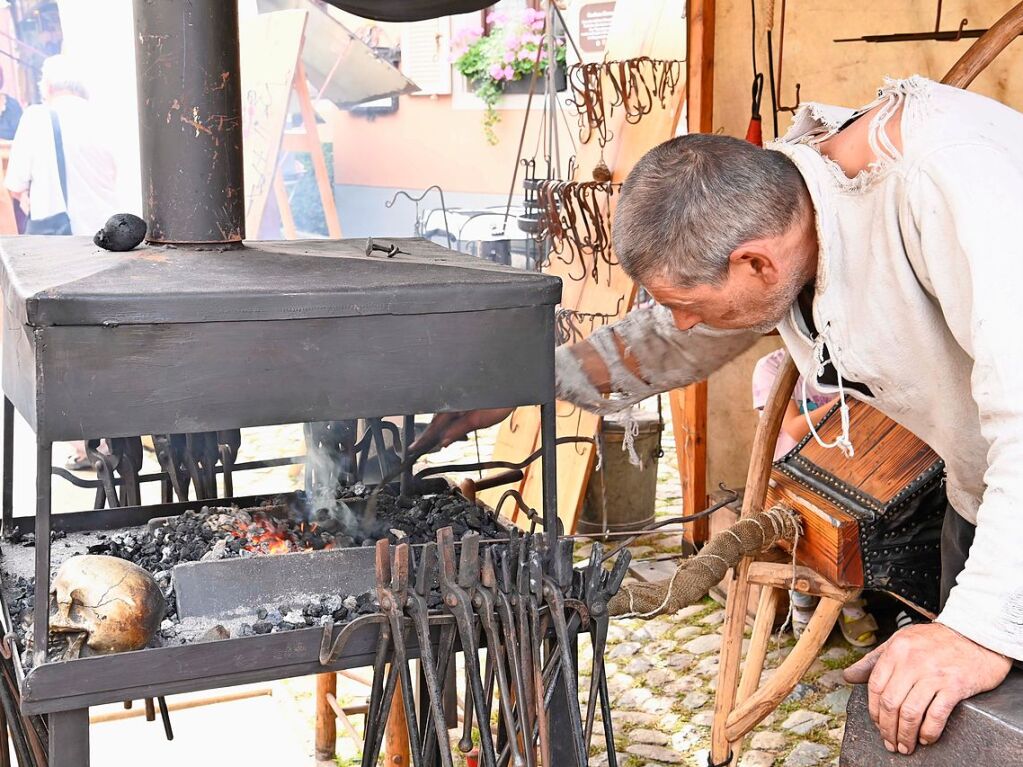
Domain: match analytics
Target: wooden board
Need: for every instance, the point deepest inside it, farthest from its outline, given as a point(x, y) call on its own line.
point(270, 47)
point(652, 29)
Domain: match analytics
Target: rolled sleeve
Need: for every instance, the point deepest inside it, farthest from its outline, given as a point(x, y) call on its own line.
point(664, 357)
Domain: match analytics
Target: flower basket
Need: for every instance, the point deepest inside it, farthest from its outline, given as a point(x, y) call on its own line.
point(503, 60)
point(522, 85)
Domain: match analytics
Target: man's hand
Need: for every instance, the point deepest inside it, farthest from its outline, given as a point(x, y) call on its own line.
point(446, 428)
point(918, 676)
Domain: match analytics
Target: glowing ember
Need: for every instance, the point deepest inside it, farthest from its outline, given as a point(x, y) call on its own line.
point(266, 535)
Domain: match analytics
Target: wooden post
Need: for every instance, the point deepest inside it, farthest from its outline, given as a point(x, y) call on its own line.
point(700, 65)
point(689, 422)
point(689, 405)
point(396, 747)
point(326, 720)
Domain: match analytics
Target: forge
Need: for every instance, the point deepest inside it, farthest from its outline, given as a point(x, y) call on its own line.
point(197, 334)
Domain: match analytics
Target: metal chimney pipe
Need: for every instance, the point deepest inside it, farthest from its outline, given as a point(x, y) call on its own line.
point(190, 126)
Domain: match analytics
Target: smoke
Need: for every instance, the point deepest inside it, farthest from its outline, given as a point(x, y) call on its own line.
point(328, 468)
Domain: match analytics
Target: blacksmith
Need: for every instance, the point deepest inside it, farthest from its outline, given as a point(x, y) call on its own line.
point(884, 245)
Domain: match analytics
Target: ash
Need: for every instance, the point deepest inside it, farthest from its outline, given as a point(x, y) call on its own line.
point(281, 525)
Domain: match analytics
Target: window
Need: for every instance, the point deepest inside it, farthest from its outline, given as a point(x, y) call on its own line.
point(510, 7)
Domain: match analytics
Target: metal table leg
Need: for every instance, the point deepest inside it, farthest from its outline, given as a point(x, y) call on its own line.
point(549, 434)
point(44, 458)
point(69, 738)
point(8, 467)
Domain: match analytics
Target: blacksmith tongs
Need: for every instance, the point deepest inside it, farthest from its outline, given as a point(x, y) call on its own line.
point(459, 603)
point(600, 586)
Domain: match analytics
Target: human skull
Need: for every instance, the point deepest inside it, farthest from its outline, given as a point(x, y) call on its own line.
point(110, 603)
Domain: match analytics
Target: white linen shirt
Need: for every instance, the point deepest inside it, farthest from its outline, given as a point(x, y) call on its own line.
point(918, 295)
point(89, 164)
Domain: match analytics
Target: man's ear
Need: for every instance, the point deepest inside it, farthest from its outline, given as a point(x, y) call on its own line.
point(752, 260)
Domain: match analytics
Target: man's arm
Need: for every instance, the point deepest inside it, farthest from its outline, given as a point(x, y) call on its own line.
point(640, 355)
point(964, 205)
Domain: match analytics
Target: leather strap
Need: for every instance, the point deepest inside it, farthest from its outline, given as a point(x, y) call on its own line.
point(58, 144)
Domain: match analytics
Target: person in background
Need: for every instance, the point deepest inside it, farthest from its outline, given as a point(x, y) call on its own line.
point(857, 625)
point(10, 117)
point(10, 112)
point(62, 171)
point(62, 131)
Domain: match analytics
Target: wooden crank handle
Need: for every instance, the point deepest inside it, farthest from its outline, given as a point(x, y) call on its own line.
point(470, 487)
point(762, 455)
point(987, 47)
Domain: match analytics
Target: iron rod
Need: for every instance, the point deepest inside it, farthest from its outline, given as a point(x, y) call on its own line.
point(549, 463)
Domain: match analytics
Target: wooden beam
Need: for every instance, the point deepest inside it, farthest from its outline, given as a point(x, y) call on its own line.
point(700, 65)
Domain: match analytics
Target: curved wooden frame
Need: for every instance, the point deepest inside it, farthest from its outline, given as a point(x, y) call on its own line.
point(739, 705)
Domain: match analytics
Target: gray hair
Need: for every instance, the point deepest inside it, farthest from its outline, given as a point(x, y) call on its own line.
point(60, 73)
point(691, 201)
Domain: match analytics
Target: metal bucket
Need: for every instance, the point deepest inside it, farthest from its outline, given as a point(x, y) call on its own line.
point(620, 497)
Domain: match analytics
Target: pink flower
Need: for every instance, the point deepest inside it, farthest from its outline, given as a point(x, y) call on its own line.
point(509, 73)
point(532, 40)
point(497, 18)
point(497, 72)
point(509, 56)
point(538, 25)
point(527, 55)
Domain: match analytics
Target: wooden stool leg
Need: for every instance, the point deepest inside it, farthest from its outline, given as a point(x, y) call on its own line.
point(757, 652)
point(750, 712)
point(326, 720)
point(730, 660)
point(396, 742)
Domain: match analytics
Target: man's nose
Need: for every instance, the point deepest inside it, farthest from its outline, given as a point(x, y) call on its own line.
point(684, 320)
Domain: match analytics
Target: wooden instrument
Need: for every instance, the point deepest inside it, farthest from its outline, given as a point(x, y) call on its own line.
point(871, 521)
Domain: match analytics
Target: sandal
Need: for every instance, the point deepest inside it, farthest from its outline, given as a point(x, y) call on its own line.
point(76, 463)
point(857, 625)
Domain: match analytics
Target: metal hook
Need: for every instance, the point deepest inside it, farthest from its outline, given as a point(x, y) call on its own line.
point(448, 237)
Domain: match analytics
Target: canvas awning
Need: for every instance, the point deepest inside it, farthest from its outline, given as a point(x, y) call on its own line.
point(339, 66)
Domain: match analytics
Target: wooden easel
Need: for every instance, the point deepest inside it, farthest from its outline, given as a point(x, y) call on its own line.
point(272, 72)
point(307, 139)
point(739, 704)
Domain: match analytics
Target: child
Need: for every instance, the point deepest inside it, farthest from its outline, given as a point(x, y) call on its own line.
point(857, 625)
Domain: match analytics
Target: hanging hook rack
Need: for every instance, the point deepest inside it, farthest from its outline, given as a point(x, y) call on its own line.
point(938, 35)
point(781, 61)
